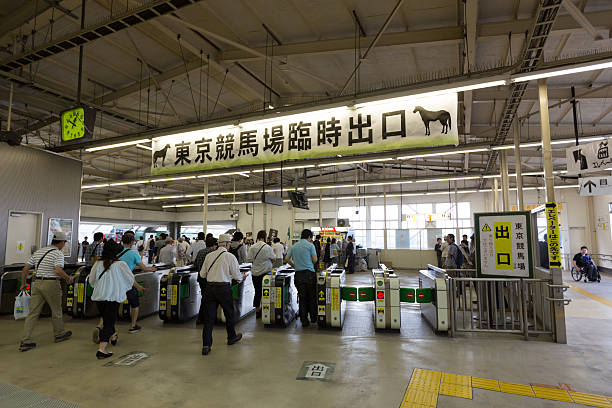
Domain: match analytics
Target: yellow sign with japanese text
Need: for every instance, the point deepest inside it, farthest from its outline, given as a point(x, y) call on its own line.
point(503, 246)
point(552, 229)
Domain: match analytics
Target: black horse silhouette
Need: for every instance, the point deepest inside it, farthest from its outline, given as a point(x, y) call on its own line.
point(433, 116)
point(160, 154)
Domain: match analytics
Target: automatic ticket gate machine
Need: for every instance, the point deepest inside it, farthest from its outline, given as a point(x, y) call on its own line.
point(242, 293)
point(9, 287)
point(332, 296)
point(78, 298)
point(149, 299)
point(179, 294)
point(279, 297)
point(433, 298)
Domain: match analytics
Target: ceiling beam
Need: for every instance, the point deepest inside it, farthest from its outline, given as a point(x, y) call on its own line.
point(22, 15)
point(419, 38)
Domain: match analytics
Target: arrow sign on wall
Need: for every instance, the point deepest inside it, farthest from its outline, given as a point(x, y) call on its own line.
point(590, 186)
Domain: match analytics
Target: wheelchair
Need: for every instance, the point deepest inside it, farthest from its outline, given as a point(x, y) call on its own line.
point(577, 275)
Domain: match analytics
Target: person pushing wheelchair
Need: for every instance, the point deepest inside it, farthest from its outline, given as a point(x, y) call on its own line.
point(583, 262)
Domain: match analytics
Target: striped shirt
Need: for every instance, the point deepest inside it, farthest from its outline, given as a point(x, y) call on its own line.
point(46, 269)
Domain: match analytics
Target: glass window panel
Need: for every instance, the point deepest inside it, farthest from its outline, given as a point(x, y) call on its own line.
point(391, 239)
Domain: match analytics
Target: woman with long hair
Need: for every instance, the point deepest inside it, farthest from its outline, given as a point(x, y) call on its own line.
point(111, 279)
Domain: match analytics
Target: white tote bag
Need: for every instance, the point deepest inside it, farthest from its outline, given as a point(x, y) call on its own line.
point(22, 305)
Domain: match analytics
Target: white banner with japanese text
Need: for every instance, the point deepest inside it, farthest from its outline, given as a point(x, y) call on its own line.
point(389, 124)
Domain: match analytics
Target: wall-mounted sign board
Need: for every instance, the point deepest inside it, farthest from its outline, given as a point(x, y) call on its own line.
point(386, 124)
point(503, 244)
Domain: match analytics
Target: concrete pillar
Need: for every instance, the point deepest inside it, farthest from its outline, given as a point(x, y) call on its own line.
point(205, 208)
point(385, 206)
point(495, 195)
point(505, 185)
point(519, 168)
point(549, 181)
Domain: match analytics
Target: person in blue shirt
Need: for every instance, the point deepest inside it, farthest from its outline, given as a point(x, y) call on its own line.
point(303, 256)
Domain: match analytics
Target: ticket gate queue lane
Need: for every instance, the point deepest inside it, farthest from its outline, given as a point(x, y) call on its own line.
point(331, 304)
point(279, 297)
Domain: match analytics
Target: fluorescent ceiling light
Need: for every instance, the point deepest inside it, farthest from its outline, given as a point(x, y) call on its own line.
point(112, 146)
point(231, 173)
point(94, 186)
point(355, 162)
point(172, 179)
point(125, 183)
point(306, 166)
point(553, 72)
point(144, 147)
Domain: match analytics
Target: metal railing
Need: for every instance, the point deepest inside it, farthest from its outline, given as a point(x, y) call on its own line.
point(499, 305)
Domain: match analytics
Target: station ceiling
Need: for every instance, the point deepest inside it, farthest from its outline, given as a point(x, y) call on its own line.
point(198, 61)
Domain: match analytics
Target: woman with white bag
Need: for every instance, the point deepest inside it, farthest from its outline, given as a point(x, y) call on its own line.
point(111, 279)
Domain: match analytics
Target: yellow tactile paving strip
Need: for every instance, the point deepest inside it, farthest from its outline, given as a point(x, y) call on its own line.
point(426, 385)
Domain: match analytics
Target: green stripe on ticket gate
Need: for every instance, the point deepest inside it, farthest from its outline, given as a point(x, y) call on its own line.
point(349, 293)
point(423, 295)
point(185, 292)
point(366, 294)
point(235, 291)
point(407, 295)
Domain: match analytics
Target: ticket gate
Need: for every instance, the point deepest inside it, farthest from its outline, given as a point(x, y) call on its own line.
point(279, 304)
point(9, 287)
point(243, 294)
point(331, 304)
point(179, 294)
point(436, 312)
point(10, 282)
point(149, 299)
point(387, 314)
point(78, 300)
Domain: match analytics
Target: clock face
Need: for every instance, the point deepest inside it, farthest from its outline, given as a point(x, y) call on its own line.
point(73, 124)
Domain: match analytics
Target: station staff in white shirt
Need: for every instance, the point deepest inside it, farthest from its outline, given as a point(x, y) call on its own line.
point(219, 268)
point(48, 263)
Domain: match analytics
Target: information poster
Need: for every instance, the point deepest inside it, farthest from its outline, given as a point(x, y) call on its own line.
point(61, 225)
point(503, 244)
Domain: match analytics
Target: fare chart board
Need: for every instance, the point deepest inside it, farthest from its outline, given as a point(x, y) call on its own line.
point(387, 124)
point(503, 245)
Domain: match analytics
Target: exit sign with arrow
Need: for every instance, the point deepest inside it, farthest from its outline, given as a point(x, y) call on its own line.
point(590, 186)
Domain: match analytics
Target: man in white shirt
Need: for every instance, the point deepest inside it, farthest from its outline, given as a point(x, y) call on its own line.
point(48, 263)
point(219, 268)
point(279, 252)
point(197, 246)
point(167, 255)
point(261, 256)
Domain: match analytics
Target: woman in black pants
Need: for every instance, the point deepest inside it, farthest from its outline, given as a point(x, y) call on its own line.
point(111, 279)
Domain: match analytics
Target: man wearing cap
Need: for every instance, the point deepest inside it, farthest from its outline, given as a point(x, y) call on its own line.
point(48, 263)
point(219, 268)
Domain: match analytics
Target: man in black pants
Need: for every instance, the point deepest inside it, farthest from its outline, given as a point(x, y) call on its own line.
point(219, 268)
point(211, 246)
point(583, 262)
point(303, 256)
point(350, 255)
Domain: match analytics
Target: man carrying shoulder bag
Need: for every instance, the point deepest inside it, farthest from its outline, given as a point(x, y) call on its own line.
point(46, 288)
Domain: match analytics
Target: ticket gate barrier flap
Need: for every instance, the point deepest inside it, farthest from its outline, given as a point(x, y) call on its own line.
point(407, 295)
point(424, 295)
point(366, 294)
point(349, 293)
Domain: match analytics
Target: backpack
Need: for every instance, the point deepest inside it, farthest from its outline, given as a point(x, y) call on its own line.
point(459, 260)
point(234, 251)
